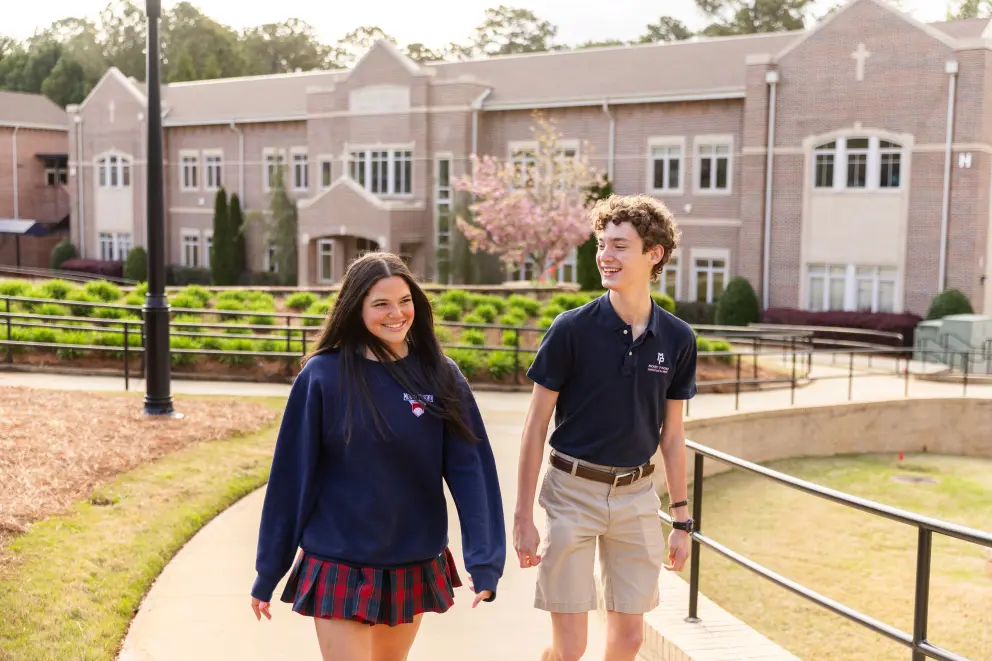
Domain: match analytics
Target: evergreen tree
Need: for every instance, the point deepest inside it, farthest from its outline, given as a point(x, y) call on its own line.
point(237, 228)
point(283, 225)
point(220, 258)
point(588, 273)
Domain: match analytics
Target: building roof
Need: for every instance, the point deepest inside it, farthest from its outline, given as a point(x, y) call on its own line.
point(698, 68)
point(31, 111)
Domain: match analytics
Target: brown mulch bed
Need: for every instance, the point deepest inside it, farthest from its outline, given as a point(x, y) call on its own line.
point(57, 446)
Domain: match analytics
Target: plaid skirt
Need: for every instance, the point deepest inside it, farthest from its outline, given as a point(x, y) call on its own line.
point(322, 589)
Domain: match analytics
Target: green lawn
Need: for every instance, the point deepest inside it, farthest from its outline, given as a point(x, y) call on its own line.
point(863, 561)
point(71, 585)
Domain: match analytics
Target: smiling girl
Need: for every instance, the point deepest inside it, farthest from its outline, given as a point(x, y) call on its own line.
point(376, 422)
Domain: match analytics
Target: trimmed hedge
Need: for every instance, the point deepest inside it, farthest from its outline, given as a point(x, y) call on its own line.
point(904, 323)
point(105, 268)
point(948, 302)
point(738, 306)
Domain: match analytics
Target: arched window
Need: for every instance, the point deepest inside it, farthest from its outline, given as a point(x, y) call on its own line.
point(114, 171)
point(857, 163)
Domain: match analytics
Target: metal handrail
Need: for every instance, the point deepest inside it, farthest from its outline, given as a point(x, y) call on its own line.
point(927, 526)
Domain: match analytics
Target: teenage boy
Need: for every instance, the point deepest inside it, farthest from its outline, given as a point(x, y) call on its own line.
point(616, 373)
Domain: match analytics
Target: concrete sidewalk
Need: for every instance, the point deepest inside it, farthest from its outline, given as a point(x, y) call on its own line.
point(198, 609)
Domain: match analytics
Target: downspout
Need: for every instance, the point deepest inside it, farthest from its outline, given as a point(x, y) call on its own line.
point(13, 155)
point(771, 77)
point(476, 107)
point(241, 161)
point(613, 135)
point(80, 186)
point(951, 69)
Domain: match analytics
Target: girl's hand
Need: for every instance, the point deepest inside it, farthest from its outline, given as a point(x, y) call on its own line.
point(260, 608)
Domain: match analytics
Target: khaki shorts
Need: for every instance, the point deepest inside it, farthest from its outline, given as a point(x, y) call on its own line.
point(632, 544)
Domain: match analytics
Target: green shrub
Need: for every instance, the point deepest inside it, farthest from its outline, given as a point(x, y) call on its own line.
point(497, 302)
point(136, 265)
point(317, 308)
point(230, 305)
point(81, 338)
point(530, 306)
point(501, 364)
point(510, 338)
point(473, 336)
point(473, 318)
point(199, 292)
point(234, 295)
point(457, 297)
point(141, 289)
point(231, 322)
point(187, 319)
point(738, 305)
point(695, 312)
point(552, 310)
point(114, 339)
point(486, 311)
point(469, 361)
point(56, 290)
point(109, 313)
point(186, 301)
point(705, 345)
point(262, 320)
point(80, 296)
point(948, 302)
point(444, 335)
point(300, 301)
point(14, 288)
point(212, 343)
point(664, 300)
point(569, 301)
point(43, 335)
point(134, 299)
point(52, 310)
point(107, 292)
point(183, 342)
point(237, 345)
point(260, 301)
point(545, 322)
point(61, 253)
point(449, 311)
point(513, 318)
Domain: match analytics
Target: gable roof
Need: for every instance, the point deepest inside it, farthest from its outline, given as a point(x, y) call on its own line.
point(698, 68)
point(31, 111)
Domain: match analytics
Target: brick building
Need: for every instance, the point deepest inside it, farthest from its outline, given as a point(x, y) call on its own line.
point(34, 199)
point(843, 167)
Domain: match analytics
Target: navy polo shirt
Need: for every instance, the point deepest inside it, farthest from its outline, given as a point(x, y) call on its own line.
point(612, 387)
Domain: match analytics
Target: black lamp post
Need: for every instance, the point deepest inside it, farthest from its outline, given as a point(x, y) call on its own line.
point(158, 398)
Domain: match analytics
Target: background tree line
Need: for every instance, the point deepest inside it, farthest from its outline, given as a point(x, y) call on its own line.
point(65, 60)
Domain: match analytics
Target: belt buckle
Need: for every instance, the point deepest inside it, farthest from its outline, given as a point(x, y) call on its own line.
point(637, 471)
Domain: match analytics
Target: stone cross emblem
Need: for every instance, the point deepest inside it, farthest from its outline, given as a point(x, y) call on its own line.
point(861, 55)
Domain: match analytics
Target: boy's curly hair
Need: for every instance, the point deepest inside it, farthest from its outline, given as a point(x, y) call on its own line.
point(654, 223)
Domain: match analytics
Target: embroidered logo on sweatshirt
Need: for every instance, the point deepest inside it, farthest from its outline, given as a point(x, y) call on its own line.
point(416, 405)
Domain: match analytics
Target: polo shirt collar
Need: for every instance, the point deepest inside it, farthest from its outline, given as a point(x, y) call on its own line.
point(609, 317)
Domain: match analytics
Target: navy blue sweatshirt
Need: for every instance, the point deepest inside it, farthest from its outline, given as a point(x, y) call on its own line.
point(376, 501)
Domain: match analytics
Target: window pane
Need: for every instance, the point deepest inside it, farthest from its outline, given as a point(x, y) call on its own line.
point(705, 173)
point(889, 176)
point(444, 173)
point(836, 294)
point(718, 285)
point(885, 144)
point(407, 175)
point(865, 293)
point(673, 173)
point(857, 170)
point(816, 294)
point(886, 296)
point(658, 181)
point(325, 174)
point(722, 167)
point(857, 143)
point(824, 171)
point(829, 145)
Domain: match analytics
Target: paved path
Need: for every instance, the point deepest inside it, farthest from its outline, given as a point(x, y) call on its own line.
point(198, 608)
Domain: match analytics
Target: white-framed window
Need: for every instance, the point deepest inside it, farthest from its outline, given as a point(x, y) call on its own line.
point(325, 173)
point(671, 279)
point(270, 264)
point(189, 174)
point(858, 163)
point(301, 170)
point(114, 171)
point(383, 171)
point(665, 167)
point(191, 251)
point(213, 170)
point(325, 260)
point(710, 273)
point(851, 287)
point(114, 246)
point(275, 165)
point(714, 164)
point(523, 156)
point(208, 246)
point(443, 219)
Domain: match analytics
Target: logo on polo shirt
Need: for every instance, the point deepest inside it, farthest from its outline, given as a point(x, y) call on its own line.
point(659, 368)
point(417, 403)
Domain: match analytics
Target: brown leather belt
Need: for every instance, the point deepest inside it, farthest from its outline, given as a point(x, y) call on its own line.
point(617, 479)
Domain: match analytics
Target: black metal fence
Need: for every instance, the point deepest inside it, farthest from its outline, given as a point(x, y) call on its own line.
point(291, 336)
point(926, 527)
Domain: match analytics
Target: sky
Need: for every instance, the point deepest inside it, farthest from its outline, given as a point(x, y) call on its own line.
point(431, 22)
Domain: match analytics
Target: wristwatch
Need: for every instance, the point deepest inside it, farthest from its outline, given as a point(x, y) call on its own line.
point(686, 525)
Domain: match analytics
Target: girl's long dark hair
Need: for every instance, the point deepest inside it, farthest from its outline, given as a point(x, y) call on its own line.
point(345, 330)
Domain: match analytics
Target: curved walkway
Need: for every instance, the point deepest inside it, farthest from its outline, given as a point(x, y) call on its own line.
point(198, 608)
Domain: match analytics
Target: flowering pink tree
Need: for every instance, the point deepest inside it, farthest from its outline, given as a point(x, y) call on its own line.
point(533, 206)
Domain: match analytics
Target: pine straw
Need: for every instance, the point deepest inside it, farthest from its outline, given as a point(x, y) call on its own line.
point(56, 447)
